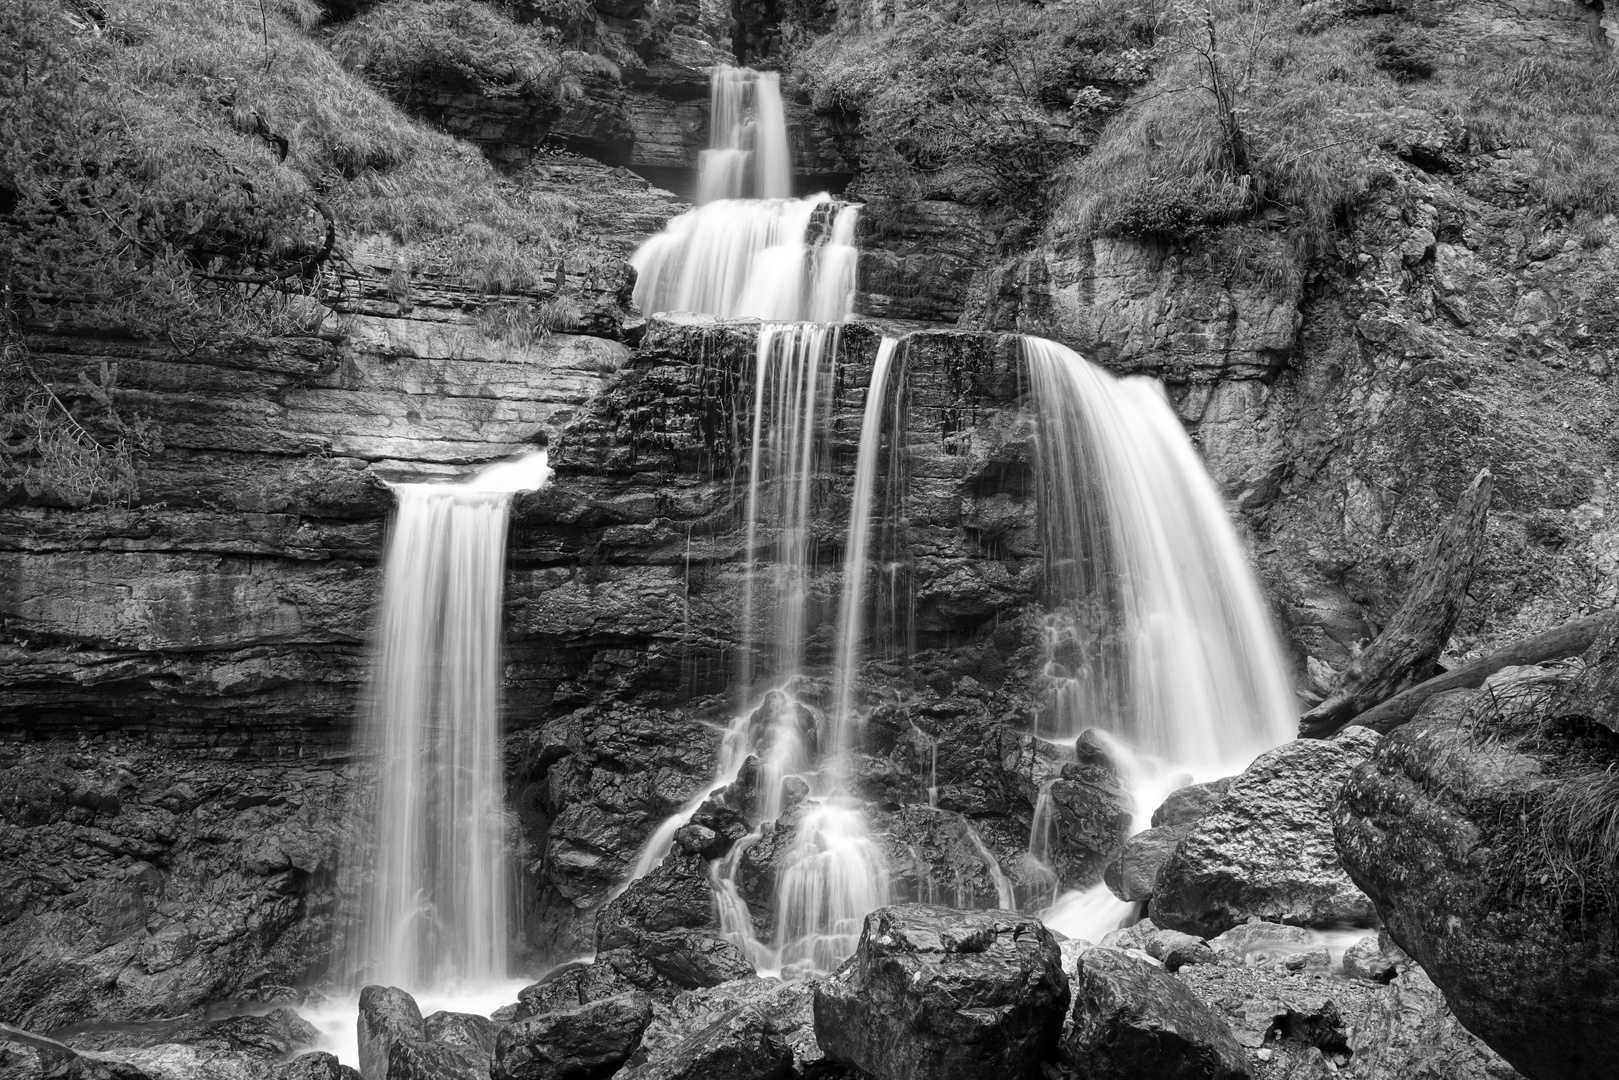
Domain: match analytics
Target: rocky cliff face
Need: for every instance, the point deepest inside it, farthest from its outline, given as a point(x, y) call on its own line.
point(203, 647)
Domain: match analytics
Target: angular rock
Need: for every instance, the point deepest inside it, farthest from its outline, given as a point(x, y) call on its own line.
point(422, 1059)
point(1175, 950)
point(1374, 958)
point(388, 1016)
point(691, 960)
point(1133, 875)
point(1257, 942)
point(1131, 1019)
point(742, 1044)
point(466, 1030)
point(585, 1041)
point(788, 1008)
point(1184, 806)
point(316, 1065)
point(1266, 848)
point(937, 994)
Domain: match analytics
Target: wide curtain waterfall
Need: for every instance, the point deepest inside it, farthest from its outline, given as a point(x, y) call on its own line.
point(424, 878)
point(1159, 633)
point(1157, 638)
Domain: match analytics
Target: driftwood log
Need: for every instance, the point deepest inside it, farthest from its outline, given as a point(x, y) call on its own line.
point(1570, 639)
point(1405, 652)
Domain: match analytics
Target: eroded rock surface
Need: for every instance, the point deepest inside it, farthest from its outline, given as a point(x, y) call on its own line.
point(1458, 830)
point(945, 995)
point(1266, 848)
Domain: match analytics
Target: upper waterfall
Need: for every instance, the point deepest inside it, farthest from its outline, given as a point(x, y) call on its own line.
point(748, 248)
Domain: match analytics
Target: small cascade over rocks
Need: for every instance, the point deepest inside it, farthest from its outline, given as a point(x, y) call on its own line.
point(425, 883)
point(749, 248)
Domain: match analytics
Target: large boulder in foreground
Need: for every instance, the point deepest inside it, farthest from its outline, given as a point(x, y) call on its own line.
point(591, 1039)
point(1481, 839)
point(1133, 1019)
point(1266, 848)
point(938, 994)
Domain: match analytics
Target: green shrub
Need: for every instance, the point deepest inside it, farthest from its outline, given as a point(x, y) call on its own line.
point(1403, 55)
point(523, 323)
point(981, 101)
point(178, 169)
point(1177, 208)
point(455, 44)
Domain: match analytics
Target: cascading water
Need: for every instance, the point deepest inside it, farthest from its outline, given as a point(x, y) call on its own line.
point(1159, 635)
point(424, 877)
point(748, 248)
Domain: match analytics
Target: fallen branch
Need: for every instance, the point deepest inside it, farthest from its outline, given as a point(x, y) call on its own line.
point(1570, 639)
point(1415, 636)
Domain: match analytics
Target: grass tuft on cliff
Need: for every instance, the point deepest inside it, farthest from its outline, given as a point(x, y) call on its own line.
point(979, 101)
point(452, 44)
point(1316, 95)
point(190, 169)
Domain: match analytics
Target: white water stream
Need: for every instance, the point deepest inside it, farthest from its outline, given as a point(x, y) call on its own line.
point(748, 248)
point(424, 884)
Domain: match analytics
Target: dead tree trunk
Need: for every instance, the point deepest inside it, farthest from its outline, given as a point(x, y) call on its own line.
point(1409, 645)
point(1570, 639)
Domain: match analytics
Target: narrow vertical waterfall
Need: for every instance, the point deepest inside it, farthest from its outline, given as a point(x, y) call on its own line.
point(424, 877)
point(749, 248)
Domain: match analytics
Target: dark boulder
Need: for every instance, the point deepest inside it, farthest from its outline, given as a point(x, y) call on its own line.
point(787, 1007)
point(1480, 839)
point(422, 1059)
point(1266, 848)
point(1131, 1019)
point(675, 895)
point(388, 1015)
point(741, 1044)
point(462, 1029)
point(585, 1041)
point(692, 960)
point(937, 994)
point(316, 1065)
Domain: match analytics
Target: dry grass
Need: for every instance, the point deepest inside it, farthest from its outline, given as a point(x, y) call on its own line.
point(1317, 97)
point(525, 323)
point(162, 157)
point(1566, 828)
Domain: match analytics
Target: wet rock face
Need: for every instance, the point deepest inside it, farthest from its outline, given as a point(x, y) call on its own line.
point(945, 995)
point(142, 883)
point(1132, 1019)
point(591, 1039)
point(1454, 829)
point(1266, 848)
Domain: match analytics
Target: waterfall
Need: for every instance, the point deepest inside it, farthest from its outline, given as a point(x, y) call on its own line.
point(1183, 661)
point(1158, 637)
point(748, 248)
point(424, 876)
point(747, 131)
point(851, 606)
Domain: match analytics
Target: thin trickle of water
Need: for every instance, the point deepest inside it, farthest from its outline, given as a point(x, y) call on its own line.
point(424, 875)
point(852, 606)
point(1004, 895)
